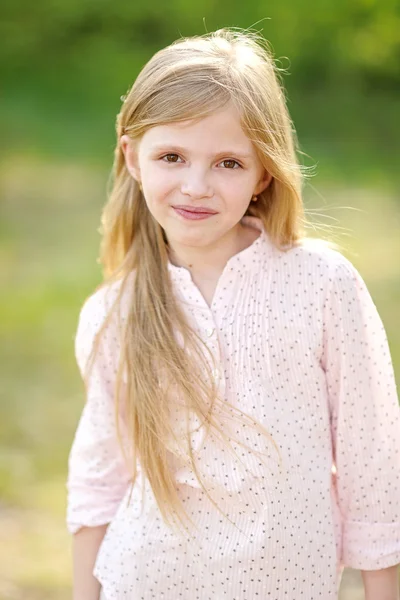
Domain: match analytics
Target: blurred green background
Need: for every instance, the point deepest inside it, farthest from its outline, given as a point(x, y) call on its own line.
point(64, 67)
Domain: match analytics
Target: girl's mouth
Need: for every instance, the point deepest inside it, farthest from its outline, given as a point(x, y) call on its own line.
point(194, 213)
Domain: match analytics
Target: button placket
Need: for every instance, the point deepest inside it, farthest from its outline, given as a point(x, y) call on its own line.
point(218, 369)
point(209, 334)
point(206, 323)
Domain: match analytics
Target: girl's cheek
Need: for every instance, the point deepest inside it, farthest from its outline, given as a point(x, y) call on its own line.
point(160, 189)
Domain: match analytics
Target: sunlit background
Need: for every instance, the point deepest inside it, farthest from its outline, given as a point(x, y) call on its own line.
point(65, 65)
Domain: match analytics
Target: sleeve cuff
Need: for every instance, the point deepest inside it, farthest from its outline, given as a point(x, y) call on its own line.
point(74, 527)
point(86, 513)
point(370, 546)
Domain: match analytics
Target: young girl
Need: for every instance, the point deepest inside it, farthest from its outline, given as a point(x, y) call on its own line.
point(240, 438)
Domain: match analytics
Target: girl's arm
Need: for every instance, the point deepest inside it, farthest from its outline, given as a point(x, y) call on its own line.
point(85, 546)
point(382, 584)
point(98, 477)
point(365, 425)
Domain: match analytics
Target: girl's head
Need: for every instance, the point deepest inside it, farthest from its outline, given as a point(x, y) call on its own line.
point(225, 80)
point(205, 124)
point(208, 164)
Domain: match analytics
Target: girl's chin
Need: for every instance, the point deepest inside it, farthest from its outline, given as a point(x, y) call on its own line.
point(195, 241)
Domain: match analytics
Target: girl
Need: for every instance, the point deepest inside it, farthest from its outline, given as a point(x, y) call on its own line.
point(240, 438)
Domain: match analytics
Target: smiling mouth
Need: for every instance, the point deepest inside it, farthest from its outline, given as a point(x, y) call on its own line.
point(194, 213)
point(195, 209)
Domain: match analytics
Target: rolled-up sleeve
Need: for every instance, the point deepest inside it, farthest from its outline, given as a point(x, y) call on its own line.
point(365, 421)
point(98, 476)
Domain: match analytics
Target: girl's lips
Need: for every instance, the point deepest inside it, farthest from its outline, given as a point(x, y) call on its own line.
point(194, 214)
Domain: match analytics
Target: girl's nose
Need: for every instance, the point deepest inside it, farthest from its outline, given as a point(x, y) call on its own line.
point(196, 184)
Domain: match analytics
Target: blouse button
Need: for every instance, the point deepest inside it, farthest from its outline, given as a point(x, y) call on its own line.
point(210, 331)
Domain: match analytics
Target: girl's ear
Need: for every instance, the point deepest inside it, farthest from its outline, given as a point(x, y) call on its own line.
point(131, 156)
point(263, 183)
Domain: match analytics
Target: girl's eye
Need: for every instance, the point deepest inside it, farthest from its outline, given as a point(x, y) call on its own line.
point(171, 158)
point(230, 164)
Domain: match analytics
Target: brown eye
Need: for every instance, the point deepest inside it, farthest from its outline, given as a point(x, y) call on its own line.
point(172, 158)
point(230, 164)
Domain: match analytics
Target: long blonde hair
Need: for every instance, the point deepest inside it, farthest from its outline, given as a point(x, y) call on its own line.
point(191, 78)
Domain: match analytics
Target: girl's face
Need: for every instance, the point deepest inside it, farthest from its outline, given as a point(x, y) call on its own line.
point(198, 177)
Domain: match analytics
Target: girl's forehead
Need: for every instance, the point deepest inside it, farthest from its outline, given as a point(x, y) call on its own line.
point(217, 129)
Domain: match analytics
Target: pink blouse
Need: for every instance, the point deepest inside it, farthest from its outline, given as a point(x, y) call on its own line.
point(298, 344)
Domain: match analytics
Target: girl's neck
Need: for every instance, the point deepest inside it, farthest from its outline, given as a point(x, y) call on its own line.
point(209, 262)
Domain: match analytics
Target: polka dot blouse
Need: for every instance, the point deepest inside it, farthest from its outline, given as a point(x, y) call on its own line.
point(298, 344)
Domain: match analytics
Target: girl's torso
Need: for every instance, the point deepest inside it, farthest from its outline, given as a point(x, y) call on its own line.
point(265, 331)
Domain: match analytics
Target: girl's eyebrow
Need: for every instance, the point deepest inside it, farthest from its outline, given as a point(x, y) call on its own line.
point(179, 149)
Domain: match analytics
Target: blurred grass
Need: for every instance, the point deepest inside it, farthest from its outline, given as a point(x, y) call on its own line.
point(48, 249)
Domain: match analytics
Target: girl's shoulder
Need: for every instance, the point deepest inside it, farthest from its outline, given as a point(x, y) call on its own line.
point(315, 270)
point(314, 264)
point(107, 298)
point(104, 310)
point(319, 257)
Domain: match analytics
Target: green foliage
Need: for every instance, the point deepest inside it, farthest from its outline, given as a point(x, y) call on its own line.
point(322, 38)
point(66, 63)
